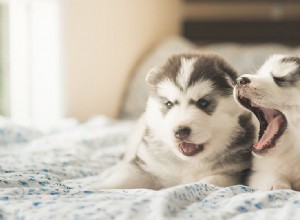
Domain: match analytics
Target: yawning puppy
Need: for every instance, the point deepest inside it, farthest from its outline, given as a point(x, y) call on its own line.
point(192, 129)
point(273, 95)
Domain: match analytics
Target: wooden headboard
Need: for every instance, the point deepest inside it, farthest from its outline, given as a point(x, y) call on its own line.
point(242, 21)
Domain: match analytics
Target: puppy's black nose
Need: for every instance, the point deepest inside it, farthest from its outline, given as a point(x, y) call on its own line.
point(243, 80)
point(182, 133)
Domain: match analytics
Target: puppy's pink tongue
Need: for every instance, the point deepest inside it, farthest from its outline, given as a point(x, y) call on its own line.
point(189, 149)
point(272, 129)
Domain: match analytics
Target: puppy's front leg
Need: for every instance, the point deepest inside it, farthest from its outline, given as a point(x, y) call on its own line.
point(126, 175)
point(220, 180)
point(268, 181)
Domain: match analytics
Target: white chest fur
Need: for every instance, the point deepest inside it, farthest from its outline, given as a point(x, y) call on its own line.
point(280, 169)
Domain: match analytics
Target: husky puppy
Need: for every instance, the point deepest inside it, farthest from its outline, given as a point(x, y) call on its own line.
point(192, 129)
point(273, 95)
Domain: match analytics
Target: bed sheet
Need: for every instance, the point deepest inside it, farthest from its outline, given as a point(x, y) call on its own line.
point(45, 175)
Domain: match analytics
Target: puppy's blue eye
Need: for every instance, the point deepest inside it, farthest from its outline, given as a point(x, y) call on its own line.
point(169, 104)
point(202, 103)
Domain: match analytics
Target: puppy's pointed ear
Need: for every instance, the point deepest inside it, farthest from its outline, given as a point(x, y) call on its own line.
point(231, 81)
point(151, 76)
point(230, 75)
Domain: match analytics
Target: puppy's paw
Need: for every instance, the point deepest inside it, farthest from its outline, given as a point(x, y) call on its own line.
point(271, 186)
point(269, 181)
point(111, 170)
point(108, 172)
point(99, 186)
point(280, 186)
point(208, 180)
point(219, 180)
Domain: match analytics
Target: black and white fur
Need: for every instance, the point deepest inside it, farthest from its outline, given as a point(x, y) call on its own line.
point(190, 102)
point(277, 86)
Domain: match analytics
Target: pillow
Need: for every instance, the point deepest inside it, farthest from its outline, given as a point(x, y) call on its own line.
point(243, 58)
point(247, 58)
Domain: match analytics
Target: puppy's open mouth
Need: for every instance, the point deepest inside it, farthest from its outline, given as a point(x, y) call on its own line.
point(272, 125)
point(189, 149)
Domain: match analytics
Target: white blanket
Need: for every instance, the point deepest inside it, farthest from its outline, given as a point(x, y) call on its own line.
point(45, 176)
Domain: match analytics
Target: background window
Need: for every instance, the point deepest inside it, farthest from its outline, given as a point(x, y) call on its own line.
point(3, 61)
point(31, 89)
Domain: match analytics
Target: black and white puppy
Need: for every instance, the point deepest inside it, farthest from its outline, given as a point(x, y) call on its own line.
point(273, 95)
point(192, 129)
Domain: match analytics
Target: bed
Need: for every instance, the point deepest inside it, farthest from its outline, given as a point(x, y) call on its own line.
point(45, 173)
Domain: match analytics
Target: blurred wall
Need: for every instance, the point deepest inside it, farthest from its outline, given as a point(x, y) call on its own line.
point(105, 39)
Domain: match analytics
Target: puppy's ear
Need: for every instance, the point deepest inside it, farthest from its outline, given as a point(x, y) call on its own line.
point(151, 76)
point(231, 81)
point(229, 73)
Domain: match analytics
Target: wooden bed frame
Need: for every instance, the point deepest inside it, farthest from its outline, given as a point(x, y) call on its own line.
point(265, 28)
point(247, 31)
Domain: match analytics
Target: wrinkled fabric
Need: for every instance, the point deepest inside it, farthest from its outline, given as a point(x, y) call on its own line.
point(46, 176)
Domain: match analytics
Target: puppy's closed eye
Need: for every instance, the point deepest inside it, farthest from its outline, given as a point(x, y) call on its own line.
point(279, 79)
point(282, 81)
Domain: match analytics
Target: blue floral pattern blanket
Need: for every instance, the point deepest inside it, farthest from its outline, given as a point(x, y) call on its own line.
point(45, 175)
